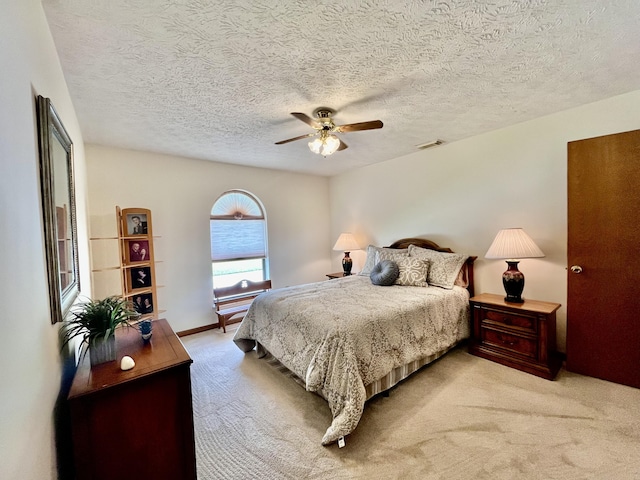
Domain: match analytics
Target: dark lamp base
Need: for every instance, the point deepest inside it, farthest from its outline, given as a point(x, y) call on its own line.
point(513, 299)
point(513, 282)
point(347, 263)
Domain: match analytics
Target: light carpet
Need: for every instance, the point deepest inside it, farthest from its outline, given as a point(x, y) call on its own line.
point(462, 417)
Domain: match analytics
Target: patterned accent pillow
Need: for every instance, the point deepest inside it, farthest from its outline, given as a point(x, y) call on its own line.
point(373, 259)
point(385, 273)
point(392, 254)
point(444, 267)
point(370, 262)
point(413, 272)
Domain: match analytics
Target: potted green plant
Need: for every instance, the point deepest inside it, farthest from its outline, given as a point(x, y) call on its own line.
point(95, 322)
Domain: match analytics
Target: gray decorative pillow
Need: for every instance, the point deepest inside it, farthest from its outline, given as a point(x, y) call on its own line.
point(413, 272)
point(444, 267)
point(385, 273)
point(373, 259)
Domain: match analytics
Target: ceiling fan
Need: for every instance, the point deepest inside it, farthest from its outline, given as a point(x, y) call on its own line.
point(326, 142)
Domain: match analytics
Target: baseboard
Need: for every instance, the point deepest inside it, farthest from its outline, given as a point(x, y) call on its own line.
point(213, 326)
point(193, 331)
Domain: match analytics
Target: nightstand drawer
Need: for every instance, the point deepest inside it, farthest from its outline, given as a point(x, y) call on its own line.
point(512, 343)
point(508, 320)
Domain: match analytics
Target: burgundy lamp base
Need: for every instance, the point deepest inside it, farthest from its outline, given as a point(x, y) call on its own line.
point(513, 282)
point(347, 263)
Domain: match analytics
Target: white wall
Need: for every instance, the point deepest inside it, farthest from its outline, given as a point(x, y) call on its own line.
point(30, 362)
point(180, 193)
point(461, 194)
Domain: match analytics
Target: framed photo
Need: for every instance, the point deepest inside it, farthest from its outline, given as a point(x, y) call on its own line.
point(143, 304)
point(138, 250)
point(136, 224)
point(140, 277)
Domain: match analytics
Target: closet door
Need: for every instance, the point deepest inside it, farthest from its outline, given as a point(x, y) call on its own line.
point(603, 308)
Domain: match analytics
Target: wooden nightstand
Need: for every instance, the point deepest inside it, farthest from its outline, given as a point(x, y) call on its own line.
point(338, 275)
point(519, 335)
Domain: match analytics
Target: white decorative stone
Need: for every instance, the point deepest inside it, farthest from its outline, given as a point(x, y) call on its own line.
point(127, 363)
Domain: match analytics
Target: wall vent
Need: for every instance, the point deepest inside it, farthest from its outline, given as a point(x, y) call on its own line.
point(432, 143)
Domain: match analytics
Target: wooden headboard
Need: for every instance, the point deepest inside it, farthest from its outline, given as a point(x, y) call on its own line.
point(428, 244)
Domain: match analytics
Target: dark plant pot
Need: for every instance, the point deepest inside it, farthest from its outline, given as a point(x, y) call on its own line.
point(145, 327)
point(103, 351)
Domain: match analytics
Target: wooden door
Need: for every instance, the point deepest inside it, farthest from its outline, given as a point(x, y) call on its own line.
point(603, 308)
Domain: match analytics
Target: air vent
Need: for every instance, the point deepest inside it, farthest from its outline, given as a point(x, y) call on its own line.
point(432, 143)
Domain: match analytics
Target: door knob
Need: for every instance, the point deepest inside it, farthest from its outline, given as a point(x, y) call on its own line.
point(576, 269)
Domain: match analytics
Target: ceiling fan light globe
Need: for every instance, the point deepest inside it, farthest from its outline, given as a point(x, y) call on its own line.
point(325, 144)
point(331, 144)
point(315, 145)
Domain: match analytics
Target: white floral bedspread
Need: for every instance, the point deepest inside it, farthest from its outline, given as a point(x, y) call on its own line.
point(340, 335)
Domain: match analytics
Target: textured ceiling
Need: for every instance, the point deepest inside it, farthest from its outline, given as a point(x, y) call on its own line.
point(216, 80)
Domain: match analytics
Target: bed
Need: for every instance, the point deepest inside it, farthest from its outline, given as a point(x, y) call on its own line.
point(348, 339)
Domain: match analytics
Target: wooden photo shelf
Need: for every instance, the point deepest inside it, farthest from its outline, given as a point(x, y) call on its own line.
point(137, 260)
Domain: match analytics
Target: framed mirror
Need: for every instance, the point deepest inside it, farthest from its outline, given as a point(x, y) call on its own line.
point(58, 210)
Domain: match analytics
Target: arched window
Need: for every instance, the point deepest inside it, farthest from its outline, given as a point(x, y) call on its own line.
point(238, 239)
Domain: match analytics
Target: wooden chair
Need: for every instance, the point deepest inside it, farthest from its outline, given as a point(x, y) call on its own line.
point(232, 301)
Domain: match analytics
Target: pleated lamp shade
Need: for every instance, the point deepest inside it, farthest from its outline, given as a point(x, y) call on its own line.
point(513, 243)
point(346, 243)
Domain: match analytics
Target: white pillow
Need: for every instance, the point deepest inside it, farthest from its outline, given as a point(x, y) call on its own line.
point(444, 267)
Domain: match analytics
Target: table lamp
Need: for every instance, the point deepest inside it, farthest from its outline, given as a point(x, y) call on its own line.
point(513, 244)
point(346, 243)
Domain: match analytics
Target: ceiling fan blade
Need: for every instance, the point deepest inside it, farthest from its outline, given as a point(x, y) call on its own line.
point(306, 119)
point(354, 127)
point(296, 138)
point(342, 146)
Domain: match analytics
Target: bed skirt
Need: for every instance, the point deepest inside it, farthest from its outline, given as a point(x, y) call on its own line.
point(381, 385)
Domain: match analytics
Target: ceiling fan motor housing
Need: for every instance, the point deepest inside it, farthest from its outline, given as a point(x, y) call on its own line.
point(324, 118)
point(323, 112)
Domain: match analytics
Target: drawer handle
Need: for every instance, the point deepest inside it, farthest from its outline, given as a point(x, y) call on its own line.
point(507, 342)
point(506, 320)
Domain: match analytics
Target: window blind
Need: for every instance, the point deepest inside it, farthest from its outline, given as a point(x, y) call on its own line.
point(236, 239)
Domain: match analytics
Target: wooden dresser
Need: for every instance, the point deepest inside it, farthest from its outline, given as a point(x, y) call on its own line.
point(519, 335)
point(135, 424)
